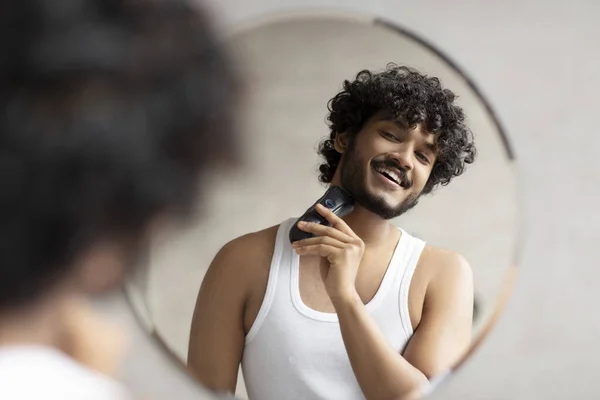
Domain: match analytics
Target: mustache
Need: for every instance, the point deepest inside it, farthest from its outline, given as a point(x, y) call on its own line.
point(393, 165)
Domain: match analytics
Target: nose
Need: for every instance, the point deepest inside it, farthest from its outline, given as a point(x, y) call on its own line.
point(404, 157)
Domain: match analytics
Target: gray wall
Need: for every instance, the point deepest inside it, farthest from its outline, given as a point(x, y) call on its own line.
point(537, 62)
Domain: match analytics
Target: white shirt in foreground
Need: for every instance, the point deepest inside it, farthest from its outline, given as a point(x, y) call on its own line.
point(31, 372)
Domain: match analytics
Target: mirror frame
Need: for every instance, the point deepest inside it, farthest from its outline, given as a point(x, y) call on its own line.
point(370, 19)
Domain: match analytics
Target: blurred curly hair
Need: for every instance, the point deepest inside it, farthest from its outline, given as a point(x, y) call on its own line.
point(111, 113)
point(410, 98)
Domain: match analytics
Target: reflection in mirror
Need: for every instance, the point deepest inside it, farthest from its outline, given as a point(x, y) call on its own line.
point(410, 247)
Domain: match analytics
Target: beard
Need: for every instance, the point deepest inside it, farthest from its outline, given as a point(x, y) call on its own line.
point(353, 179)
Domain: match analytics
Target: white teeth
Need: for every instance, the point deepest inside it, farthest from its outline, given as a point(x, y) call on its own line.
point(391, 173)
point(394, 176)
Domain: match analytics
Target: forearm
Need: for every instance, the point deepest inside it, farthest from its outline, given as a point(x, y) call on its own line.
point(382, 373)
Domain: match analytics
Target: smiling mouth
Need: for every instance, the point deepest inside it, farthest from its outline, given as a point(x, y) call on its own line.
point(390, 175)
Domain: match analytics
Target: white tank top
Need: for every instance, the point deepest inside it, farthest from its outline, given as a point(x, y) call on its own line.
point(294, 352)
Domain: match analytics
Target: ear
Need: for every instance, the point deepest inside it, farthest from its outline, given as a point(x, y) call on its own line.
point(341, 142)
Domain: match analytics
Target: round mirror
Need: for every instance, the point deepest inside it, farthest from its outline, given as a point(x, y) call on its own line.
point(428, 277)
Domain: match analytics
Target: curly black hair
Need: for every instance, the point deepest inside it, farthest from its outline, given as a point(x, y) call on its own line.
point(411, 98)
point(110, 110)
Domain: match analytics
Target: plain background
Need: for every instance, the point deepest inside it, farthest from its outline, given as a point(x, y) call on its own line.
point(537, 63)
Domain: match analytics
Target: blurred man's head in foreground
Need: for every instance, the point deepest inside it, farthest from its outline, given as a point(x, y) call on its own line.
point(111, 110)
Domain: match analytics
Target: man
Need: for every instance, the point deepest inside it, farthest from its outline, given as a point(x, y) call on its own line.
point(110, 111)
point(363, 309)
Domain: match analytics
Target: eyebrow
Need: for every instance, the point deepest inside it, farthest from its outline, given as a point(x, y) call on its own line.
point(431, 147)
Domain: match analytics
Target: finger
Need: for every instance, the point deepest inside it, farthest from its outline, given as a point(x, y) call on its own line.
point(319, 240)
point(322, 230)
point(323, 250)
point(334, 220)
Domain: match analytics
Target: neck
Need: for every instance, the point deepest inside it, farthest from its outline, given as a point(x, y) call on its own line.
point(373, 230)
point(37, 324)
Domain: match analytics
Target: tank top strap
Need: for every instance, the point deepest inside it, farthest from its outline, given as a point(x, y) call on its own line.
point(279, 275)
point(411, 252)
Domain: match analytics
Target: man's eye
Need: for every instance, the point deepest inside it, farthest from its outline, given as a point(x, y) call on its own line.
point(390, 136)
point(423, 157)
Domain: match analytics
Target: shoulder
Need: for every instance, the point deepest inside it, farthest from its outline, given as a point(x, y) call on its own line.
point(243, 261)
point(445, 267)
point(445, 261)
point(254, 246)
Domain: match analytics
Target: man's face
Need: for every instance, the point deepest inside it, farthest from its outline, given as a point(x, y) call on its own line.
point(386, 166)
